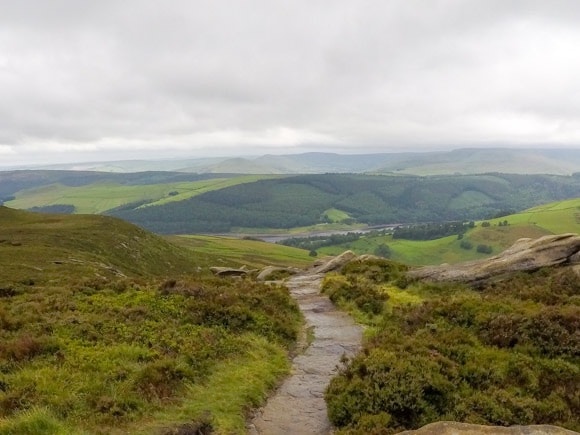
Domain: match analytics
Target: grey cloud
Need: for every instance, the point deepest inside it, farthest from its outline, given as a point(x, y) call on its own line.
point(375, 74)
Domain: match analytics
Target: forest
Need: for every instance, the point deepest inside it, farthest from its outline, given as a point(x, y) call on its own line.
point(302, 201)
point(432, 231)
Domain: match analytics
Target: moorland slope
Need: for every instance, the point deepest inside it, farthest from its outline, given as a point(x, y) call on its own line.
point(106, 328)
point(506, 354)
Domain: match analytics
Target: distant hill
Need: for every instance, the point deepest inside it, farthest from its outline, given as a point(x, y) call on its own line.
point(484, 160)
point(14, 181)
point(96, 192)
point(459, 161)
point(373, 200)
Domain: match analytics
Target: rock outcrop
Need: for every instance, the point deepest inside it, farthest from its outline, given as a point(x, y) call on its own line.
point(336, 263)
point(228, 271)
point(453, 428)
point(524, 255)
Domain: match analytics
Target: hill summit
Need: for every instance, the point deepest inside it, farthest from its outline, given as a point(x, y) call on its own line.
point(44, 247)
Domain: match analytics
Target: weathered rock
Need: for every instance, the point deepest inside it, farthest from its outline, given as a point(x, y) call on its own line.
point(228, 271)
point(320, 261)
point(524, 255)
point(336, 263)
point(368, 257)
point(267, 272)
point(453, 428)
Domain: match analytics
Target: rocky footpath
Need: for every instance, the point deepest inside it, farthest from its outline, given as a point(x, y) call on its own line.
point(298, 406)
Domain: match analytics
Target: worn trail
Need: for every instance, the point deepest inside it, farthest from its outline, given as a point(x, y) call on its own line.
point(298, 406)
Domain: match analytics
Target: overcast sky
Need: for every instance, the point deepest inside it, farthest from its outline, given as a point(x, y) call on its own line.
point(118, 79)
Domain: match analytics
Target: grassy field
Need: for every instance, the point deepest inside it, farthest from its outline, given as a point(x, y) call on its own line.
point(91, 199)
point(108, 329)
point(335, 215)
point(557, 217)
point(100, 197)
point(53, 248)
point(220, 251)
point(553, 218)
point(298, 231)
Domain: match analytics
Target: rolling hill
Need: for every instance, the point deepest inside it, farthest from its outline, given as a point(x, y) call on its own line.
point(12, 182)
point(459, 161)
point(297, 201)
point(93, 192)
point(552, 218)
point(45, 248)
point(42, 247)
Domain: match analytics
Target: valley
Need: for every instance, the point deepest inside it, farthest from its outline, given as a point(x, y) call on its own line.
point(148, 340)
point(290, 218)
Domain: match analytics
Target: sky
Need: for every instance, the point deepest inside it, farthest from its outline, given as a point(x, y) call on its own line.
point(109, 79)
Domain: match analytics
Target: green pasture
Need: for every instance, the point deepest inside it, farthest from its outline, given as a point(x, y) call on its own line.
point(99, 197)
point(413, 252)
point(556, 217)
point(336, 215)
point(90, 199)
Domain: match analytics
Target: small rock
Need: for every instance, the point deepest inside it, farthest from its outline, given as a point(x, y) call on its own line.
point(267, 272)
point(227, 271)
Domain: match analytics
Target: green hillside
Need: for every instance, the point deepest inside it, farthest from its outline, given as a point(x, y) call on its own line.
point(12, 182)
point(176, 203)
point(54, 248)
point(556, 217)
point(219, 251)
point(553, 218)
point(100, 196)
point(106, 328)
point(305, 200)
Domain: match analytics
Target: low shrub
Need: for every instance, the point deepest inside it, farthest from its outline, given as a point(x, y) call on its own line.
point(124, 348)
point(504, 355)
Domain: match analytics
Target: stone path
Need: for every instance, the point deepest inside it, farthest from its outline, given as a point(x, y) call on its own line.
point(298, 406)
